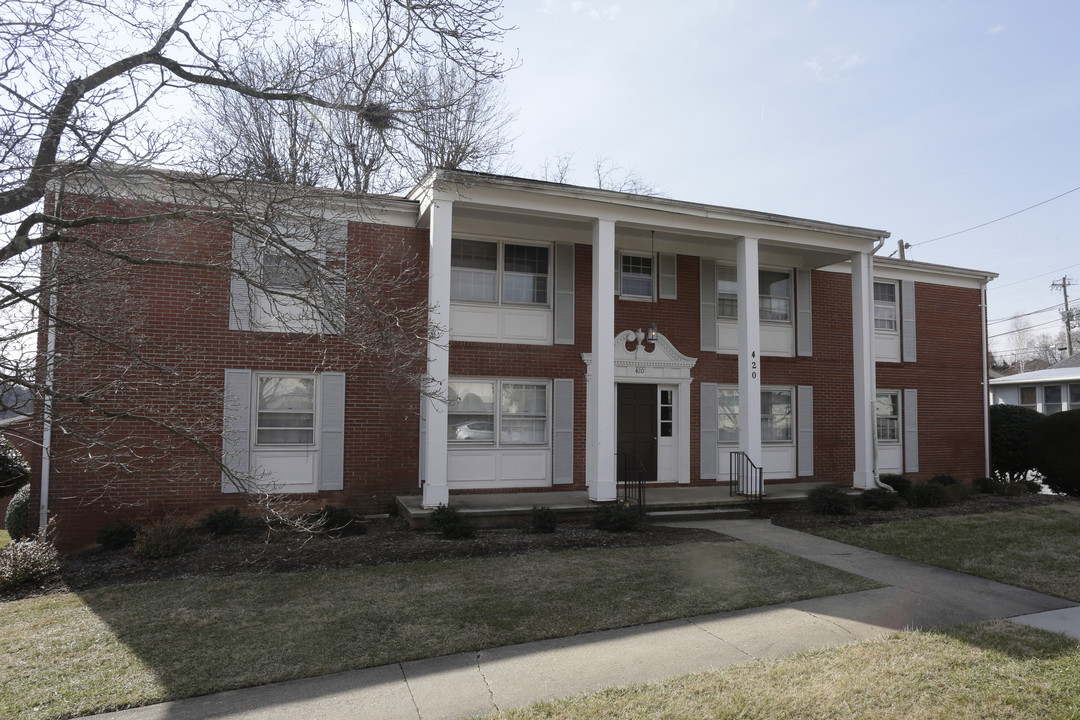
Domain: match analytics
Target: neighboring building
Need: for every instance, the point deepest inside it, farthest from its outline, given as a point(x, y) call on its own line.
point(782, 338)
point(1049, 391)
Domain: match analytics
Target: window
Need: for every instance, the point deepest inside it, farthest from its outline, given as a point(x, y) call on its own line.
point(285, 410)
point(777, 418)
point(887, 417)
point(519, 417)
point(1051, 399)
point(1029, 397)
point(636, 276)
point(475, 276)
point(284, 271)
point(667, 417)
point(1074, 396)
point(885, 312)
point(774, 288)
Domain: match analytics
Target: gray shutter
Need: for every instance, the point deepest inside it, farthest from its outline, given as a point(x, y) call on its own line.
point(805, 419)
point(331, 431)
point(911, 431)
point(564, 294)
point(709, 400)
point(244, 260)
point(562, 444)
point(907, 320)
point(668, 276)
point(335, 244)
point(804, 327)
point(236, 428)
point(708, 305)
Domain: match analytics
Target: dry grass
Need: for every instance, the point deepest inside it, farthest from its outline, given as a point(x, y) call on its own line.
point(990, 670)
point(4, 539)
point(1036, 547)
point(70, 654)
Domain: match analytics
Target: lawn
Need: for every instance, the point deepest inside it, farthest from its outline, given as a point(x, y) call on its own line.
point(989, 670)
point(72, 654)
point(1035, 547)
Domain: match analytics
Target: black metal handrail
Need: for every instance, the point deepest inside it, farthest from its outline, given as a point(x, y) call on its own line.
point(746, 477)
point(630, 478)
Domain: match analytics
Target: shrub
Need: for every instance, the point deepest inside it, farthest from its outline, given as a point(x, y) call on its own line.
point(451, 523)
point(619, 516)
point(543, 519)
point(222, 521)
point(829, 500)
point(117, 535)
point(899, 483)
point(336, 521)
point(929, 494)
point(164, 539)
point(28, 560)
point(17, 519)
point(879, 499)
point(944, 480)
point(1055, 451)
point(14, 470)
point(1010, 441)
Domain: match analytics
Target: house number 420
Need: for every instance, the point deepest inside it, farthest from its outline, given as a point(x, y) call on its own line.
point(753, 364)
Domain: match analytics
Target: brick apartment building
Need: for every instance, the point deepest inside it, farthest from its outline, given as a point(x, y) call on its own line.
point(582, 323)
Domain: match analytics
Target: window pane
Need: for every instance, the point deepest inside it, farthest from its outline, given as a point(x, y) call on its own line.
point(884, 317)
point(286, 393)
point(525, 289)
point(519, 430)
point(728, 417)
point(526, 259)
point(636, 276)
point(474, 254)
point(473, 266)
point(471, 412)
point(525, 274)
point(284, 437)
point(1052, 399)
point(727, 292)
point(776, 418)
point(1074, 397)
point(884, 292)
point(524, 413)
point(280, 270)
point(775, 291)
point(887, 417)
point(285, 411)
point(1028, 397)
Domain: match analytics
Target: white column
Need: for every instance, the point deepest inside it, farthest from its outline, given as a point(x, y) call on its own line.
point(862, 326)
point(434, 464)
point(600, 470)
point(749, 351)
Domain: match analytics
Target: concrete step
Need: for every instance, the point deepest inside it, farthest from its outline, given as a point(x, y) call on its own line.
point(731, 513)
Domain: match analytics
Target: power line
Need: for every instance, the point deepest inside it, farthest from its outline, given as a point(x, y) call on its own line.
point(1023, 329)
point(1003, 217)
point(1036, 277)
point(1033, 312)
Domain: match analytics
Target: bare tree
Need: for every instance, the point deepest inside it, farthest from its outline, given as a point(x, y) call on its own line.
point(89, 100)
point(606, 175)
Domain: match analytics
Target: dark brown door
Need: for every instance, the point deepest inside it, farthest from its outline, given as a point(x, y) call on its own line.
point(636, 412)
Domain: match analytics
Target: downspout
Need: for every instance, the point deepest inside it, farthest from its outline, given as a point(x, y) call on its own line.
point(50, 361)
point(873, 409)
point(985, 384)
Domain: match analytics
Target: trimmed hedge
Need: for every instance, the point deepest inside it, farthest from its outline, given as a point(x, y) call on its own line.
point(1055, 451)
point(17, 519)
point(1010, 441)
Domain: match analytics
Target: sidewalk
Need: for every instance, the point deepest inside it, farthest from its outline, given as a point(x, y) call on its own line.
point(479, 683)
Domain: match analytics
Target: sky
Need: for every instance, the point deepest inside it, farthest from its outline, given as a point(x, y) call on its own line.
point(922, 118)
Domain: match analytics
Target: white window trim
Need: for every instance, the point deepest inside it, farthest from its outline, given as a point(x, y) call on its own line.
point(895, 305)
point(500, 272)
point(651, 297)
point(791, 390)
point(793, 308)
point(254, 424)
point(899, 418)
point(496, 443)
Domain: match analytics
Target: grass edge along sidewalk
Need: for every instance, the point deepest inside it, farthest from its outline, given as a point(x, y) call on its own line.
point(115, 647)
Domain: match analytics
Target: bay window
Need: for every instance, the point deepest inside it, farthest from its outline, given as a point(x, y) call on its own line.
point(497, 413)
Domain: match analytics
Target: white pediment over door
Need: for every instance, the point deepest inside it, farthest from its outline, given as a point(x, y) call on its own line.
point(636, 359)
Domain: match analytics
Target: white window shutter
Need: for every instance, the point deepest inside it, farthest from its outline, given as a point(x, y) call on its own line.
point(564, 294)
point(709, 409)
point(668, 283)
point(562, 444)
point(236, 428)
point(805, 409)
point(804, 327)
point(243, 260)
point(331, 431)
point(708, 309)
point(907, 320)
point(911, 431)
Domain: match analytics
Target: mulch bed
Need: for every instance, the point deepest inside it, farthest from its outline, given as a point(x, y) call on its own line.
point(390, 540)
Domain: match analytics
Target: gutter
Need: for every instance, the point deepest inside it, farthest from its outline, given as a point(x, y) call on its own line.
point(985, 385)
point(50, 369)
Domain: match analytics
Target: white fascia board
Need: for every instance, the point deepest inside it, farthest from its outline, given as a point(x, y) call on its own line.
point(1039, 376)
point(887, 268)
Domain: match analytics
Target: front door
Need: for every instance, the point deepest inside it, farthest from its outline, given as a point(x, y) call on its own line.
point(636, 414)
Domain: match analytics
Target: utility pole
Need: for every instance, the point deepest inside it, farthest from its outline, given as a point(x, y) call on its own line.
point(1066, 314)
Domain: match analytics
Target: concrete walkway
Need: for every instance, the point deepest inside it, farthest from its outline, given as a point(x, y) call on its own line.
point(478, 683)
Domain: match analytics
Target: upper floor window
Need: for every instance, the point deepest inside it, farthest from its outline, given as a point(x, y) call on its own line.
point(887, 417)
point(774, 289)
point(636, 276)
point(885, 306)
point(498, 412)
point(490, 272)
point(285, 410)
point(283, 271)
